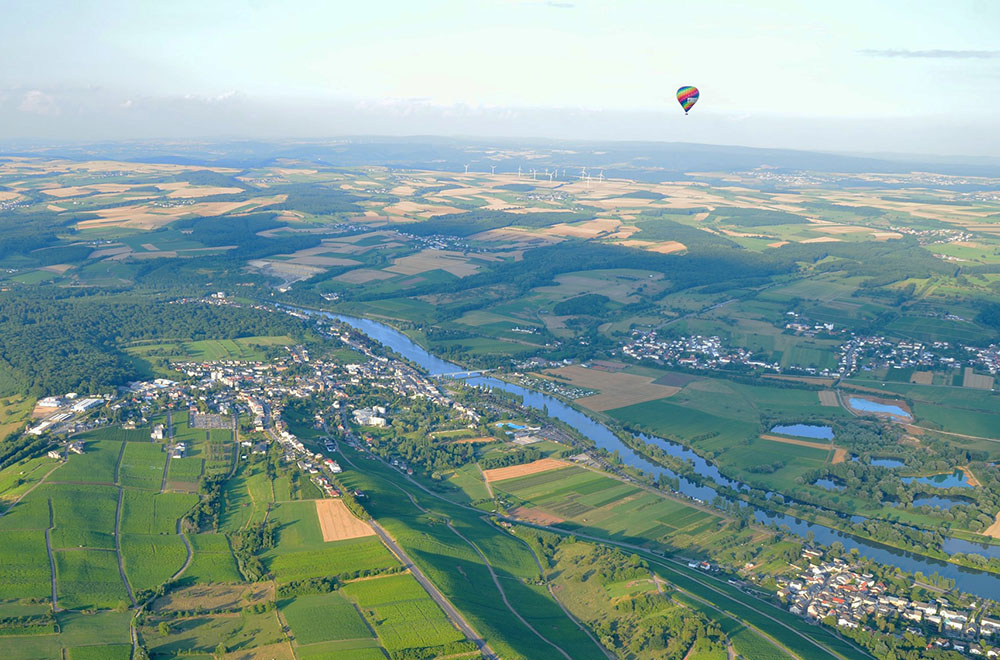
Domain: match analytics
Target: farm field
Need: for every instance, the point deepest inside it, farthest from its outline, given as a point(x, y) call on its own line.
point(401, 613)
point(142, 465)
point(246, 349)
point(301, 551)
point(324, 618)
point(577, 498)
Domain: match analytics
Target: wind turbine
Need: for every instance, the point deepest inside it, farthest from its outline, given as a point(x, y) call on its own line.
point(518, 171)
point(600, 177)
point(533, 171)
point(466, 168)
point(552, 174)
point(583, 173)
point(493, 169)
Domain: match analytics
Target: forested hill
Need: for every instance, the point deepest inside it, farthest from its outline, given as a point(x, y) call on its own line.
point(60, 345)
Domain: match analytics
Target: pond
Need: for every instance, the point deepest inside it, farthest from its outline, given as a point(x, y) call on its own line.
point(805, 431)
point(942, 501)
point(873, 406)
point(887, 462)
point(955, 479)
point(829, 484)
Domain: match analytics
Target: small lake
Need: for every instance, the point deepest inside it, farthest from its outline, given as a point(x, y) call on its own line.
point(829, 484)
point(805, 431)
point(873, 406)
point(887, 462)
point(955, 479)
point(943, 502)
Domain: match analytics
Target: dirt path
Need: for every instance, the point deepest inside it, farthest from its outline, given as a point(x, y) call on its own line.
point(489, 486)
point(118, 541)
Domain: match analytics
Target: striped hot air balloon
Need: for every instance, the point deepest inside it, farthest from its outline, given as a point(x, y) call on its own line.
point(687, 96)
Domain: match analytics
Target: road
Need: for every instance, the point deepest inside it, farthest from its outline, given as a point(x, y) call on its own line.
point(438, 597)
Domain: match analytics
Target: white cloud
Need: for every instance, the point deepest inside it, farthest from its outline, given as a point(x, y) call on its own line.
point(37, 102)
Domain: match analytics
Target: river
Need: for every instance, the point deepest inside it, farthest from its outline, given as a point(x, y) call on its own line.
point(982, 584)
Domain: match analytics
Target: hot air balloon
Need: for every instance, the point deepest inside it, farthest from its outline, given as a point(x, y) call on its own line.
point(687, 96)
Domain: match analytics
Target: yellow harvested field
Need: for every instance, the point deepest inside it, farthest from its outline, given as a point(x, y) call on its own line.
point(363, 275)
point(536, 516)
point(338, 523)
point(7, 195)
point(922, 377)
point(184, 190)
point(994, 529)
point(512, 471)
point(828, 398)
point(839, 455)
point(976, 381)
point(589, 229)
point(420, 209)
point(617, 389)
point(421, 262)
point(793, 441)
point(777, 244)
point(839, 229)
point(153, 217)
point(886, 235)
point(57, 268)
point(663, 247)
point(821, 239)
point(150, 246)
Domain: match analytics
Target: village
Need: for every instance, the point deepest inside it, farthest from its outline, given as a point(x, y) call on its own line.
point(838, 593)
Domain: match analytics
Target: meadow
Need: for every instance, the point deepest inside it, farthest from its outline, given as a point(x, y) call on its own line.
point(323, 618)
point(88, 579)
point(142, 465)
point(149, 561)
point(401, 613)
point(212, 560)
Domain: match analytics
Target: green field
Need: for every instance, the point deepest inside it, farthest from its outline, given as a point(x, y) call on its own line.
point(154, 513)
point(591, 500)
point(245, 349)
point(97, 465)
point(212, 561)
point(323, 618)
point(24, 565)
point(149, 561)
point(142, 465)
point(401, 613)
point(88, 579)
point(82, 515)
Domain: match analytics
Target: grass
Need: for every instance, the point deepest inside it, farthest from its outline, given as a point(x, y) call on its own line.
point(202, 634)
point(154, 513)
point(15, 411)
point(24, 565)
point(149, 561)
point(82, 516)
point(246, 349)
point(187, 469)
point(101, 652)
point(333, 558)
point(96, 465)
point(401, 613)
point(88, 579)
point(142, 465)
point(322, 618)
point(335, 651)
point(212, 561)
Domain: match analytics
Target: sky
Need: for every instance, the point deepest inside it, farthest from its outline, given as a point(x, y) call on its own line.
point(904, 76)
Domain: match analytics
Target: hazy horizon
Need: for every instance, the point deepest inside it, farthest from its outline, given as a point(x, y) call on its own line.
point(899, 78)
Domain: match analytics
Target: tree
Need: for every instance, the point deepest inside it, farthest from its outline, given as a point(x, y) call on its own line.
point(163, 628)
